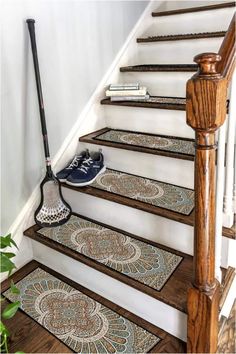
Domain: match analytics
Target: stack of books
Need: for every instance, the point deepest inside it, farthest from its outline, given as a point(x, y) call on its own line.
point(127, 92)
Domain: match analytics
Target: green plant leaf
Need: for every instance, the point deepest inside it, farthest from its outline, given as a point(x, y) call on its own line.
point(14, 289)
point(19, 353)
point(2, 299)
point(10, 310)
point(7, 241)
point(5, 264)
point(2, 327)
point(4, 330)
point(9, 254)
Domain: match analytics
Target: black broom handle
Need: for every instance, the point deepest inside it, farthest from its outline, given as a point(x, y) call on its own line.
point(31, 28)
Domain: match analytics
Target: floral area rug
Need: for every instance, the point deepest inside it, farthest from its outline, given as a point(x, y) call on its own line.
point(139, 260)
point(160, 194)
point(164, 143)
point(84, 325)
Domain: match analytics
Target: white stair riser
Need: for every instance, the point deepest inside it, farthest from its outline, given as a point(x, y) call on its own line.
point(149, 226)
point(174, 52)
point(198, 22)
point(125, 296)
point(161, 168)
point(171, 84)
point(148, 120)
point(165, 231)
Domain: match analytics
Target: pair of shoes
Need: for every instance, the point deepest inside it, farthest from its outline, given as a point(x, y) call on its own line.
point(83, 169)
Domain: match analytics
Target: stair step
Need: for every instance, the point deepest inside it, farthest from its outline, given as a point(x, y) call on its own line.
point(172, 103)
point(125, 189)
point(186, 36)
point(156, 270)
point(160, 68)
point(159, 102)
point(149, 143)
point(125, 200)
point(193, 9)
point(54, 293)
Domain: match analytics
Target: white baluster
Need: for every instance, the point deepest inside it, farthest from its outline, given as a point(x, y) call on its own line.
point(228, 212)
point(234, 192)
point(219, 198)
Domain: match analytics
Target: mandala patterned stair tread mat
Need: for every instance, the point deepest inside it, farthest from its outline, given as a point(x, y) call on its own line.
point(138, 260)
point(84, 325)
point(160, 194)
point(151, 141)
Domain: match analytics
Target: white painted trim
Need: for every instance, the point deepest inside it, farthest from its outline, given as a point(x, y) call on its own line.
point(228, 214)
point(219, 200)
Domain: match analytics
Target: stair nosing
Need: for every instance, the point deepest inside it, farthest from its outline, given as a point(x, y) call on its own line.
point(178, 37)
point(90, 138)
point(145, 104)
point(32, 233)
point(153, 105)
point(160, 68)
point(193, 9)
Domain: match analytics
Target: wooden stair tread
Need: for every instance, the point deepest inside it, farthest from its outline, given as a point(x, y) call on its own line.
point(186, 36)
point(134, 203)
point(173, 293)
point(185, 151)
point(158, 102)
point(185, 219)
point(230, 232)
point(193, 9)
point(161, 102)
point(160, 68)
point(25, 332)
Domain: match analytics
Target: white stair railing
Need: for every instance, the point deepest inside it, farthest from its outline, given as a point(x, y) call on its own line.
point(226, 177)
point(220, 178)
point(228, 210)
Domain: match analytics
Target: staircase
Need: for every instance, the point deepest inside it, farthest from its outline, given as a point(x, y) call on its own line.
point(144, 203)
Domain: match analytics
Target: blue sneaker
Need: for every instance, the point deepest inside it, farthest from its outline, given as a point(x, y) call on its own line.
point(88, 171)
point(73, 164)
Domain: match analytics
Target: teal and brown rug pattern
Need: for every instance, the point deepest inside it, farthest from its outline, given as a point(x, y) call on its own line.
point(84, 325)
point(151, 141)
point(141, 261)
point(160, 194)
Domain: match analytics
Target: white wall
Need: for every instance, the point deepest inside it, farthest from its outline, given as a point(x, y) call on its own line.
point(77, 41)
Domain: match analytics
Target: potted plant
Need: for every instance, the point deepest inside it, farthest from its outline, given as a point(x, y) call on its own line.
point(7, 265)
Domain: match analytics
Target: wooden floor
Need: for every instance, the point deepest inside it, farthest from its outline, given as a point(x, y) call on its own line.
point(28, 336)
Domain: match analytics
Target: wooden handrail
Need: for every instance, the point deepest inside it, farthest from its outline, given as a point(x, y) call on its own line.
point(206, 112)
point(227, 52)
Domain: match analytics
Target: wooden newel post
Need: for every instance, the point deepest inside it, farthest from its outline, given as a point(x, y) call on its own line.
point(206, 112)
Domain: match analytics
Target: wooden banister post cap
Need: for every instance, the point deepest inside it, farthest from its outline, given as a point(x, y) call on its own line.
point(206, 95)
point(207, 64)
